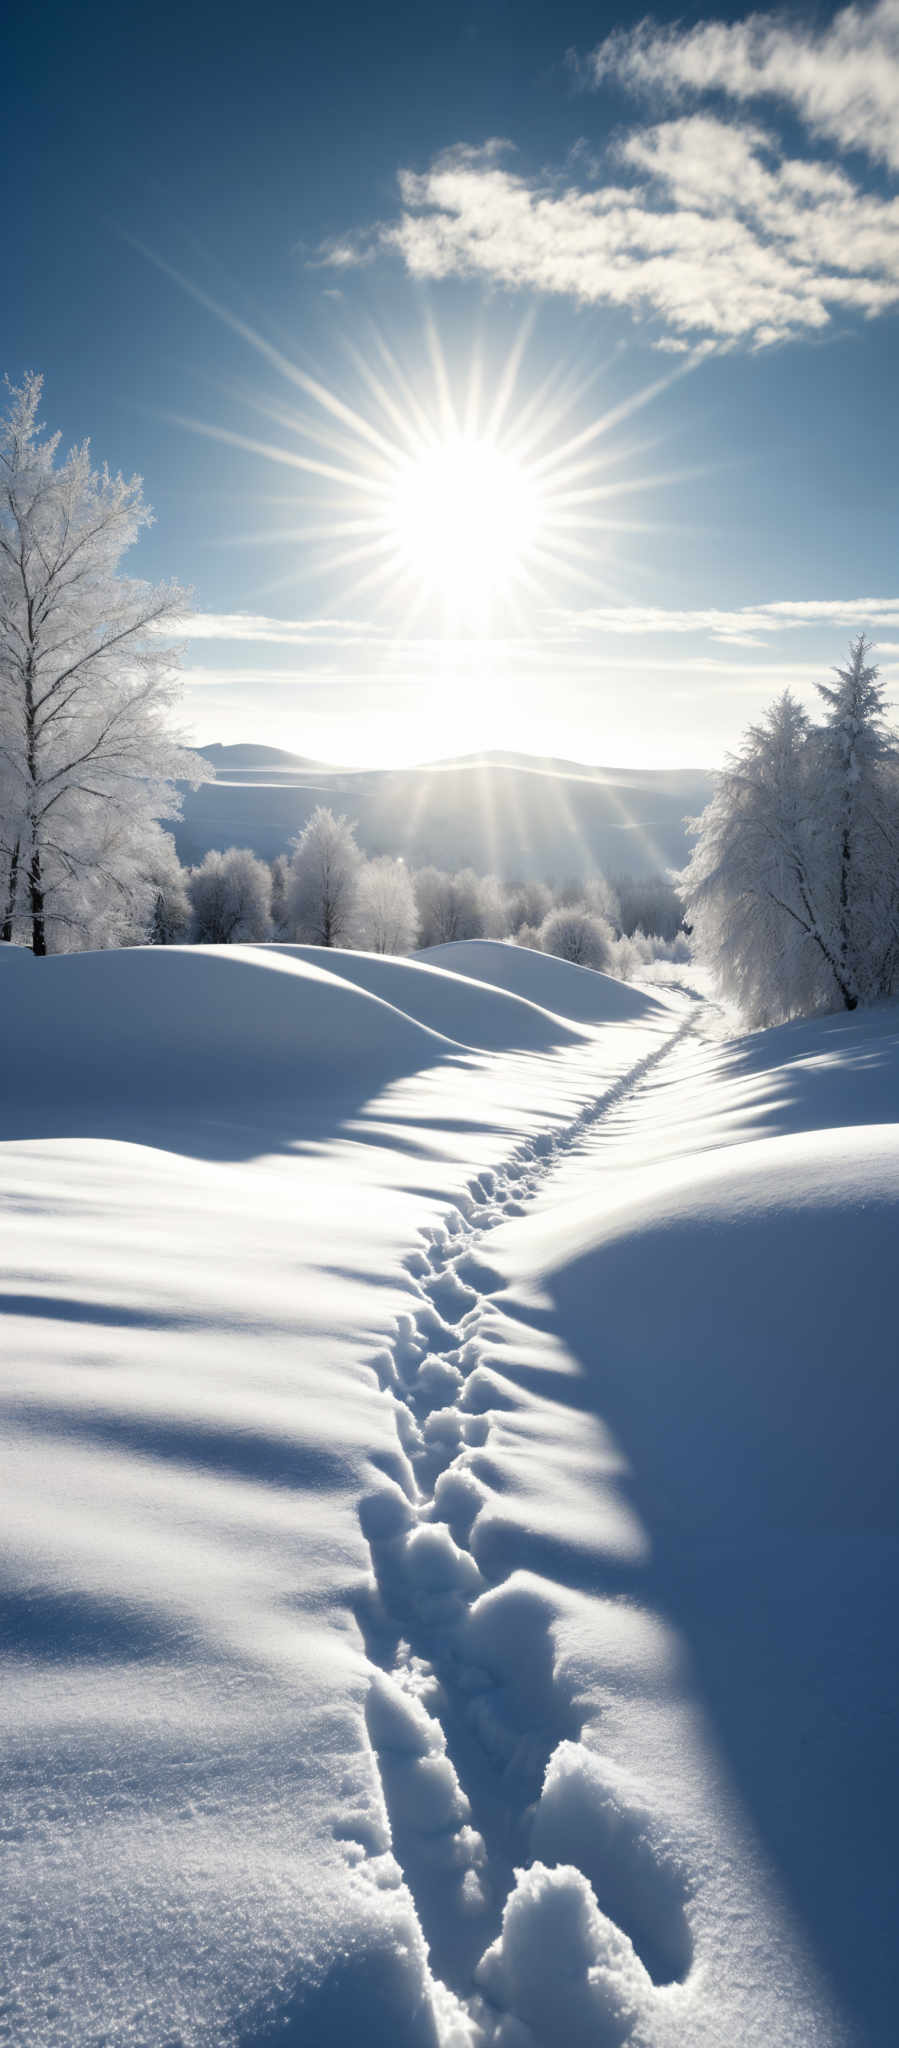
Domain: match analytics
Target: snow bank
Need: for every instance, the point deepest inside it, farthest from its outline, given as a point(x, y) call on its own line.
point(191, 1025)
point(579, 993)
point(725, 1302)
point(476, 1009)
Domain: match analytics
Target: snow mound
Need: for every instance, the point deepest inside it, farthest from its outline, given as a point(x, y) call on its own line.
point(561, 1967)
point(679, 1263)
point(476, 1009)
point(732, 1316)
point(198, 1024)
point(578, 993)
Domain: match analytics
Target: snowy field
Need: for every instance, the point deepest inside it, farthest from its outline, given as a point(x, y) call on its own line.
point(449, 1438)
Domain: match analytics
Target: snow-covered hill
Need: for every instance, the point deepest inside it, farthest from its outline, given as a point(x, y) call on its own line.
point(448, 1432)
point(508, 815)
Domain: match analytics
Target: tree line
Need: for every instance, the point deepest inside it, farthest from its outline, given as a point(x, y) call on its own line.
point(324, 892)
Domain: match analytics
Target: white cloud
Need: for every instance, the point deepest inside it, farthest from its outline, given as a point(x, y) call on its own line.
point(705, 225)
point(375, 650)
point(742, 628)
point(254, 626)
point(842, 80)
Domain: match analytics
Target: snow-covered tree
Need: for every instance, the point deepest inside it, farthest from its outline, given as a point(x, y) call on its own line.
point(87, 685)
point(387, 912)
point(170, 920)
point(649, 904)
point(599, 896)
point(494, 901)
point(231, 899)
point(280, 881)
point(323, 889)
point(528, 904)
point(449, 906)
point(793, 887)
point(856, 776)
point(748, 886)
point(576, 934)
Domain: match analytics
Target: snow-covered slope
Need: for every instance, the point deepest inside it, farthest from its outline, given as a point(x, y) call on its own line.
point(452, 1553)
point(575, 992)
point(514, 816)
point(478, 1010)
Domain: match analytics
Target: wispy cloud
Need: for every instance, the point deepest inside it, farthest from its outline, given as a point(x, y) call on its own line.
point(701, 223)
point(745, 627)
point(842, 79)
point(706, 221)
point(255, 627)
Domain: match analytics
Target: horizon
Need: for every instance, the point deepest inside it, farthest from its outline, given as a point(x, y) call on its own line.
point(491, 756)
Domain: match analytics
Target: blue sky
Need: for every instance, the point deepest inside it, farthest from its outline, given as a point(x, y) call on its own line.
point(249, 247)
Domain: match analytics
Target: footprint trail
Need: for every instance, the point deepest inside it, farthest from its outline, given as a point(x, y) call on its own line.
point(510, 1832)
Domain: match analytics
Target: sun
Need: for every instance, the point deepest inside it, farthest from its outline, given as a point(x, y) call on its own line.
point(466, 518)
point(456, 502)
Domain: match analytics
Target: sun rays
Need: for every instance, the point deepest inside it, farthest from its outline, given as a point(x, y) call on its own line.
point(456, 497)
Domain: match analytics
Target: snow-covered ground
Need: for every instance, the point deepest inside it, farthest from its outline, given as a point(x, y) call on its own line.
point(448, 1437)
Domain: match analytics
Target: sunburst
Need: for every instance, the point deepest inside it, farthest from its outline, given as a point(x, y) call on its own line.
point(455, 501)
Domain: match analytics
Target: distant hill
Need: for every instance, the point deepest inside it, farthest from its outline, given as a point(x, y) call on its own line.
point(508, 814)
point(249, 756)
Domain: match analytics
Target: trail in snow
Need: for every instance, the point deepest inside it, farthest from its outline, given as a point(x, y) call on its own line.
point(464, 1714)
point(617, 1627)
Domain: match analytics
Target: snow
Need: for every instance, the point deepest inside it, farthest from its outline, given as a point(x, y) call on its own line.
point(577, 992)
point(448, 1437)
point(517, 816)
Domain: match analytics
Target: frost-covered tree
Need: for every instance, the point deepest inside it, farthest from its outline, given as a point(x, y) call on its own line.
point(528, 904)
point(856, 778)
point(280, 880)
point(793, 887)
point(171, 915)
point(87, 685)
point(231, 899)
point(599, 896)
point(323, 888)
point(649, 904)
point(749, 884)
point(494, 903)
point(577, 935)
point(449, 906)
point(387, 915)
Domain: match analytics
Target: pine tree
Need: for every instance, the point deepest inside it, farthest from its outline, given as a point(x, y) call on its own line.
point(858, 826)
point(793, 888)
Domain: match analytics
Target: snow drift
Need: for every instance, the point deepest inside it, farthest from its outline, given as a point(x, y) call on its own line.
point(442, 993)
point(580, 993)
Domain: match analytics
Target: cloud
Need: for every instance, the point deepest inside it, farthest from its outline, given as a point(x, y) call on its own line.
point(557, 626)
point(842, 80)
point(703, 224)
point(254, 626)
point(745, 627)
